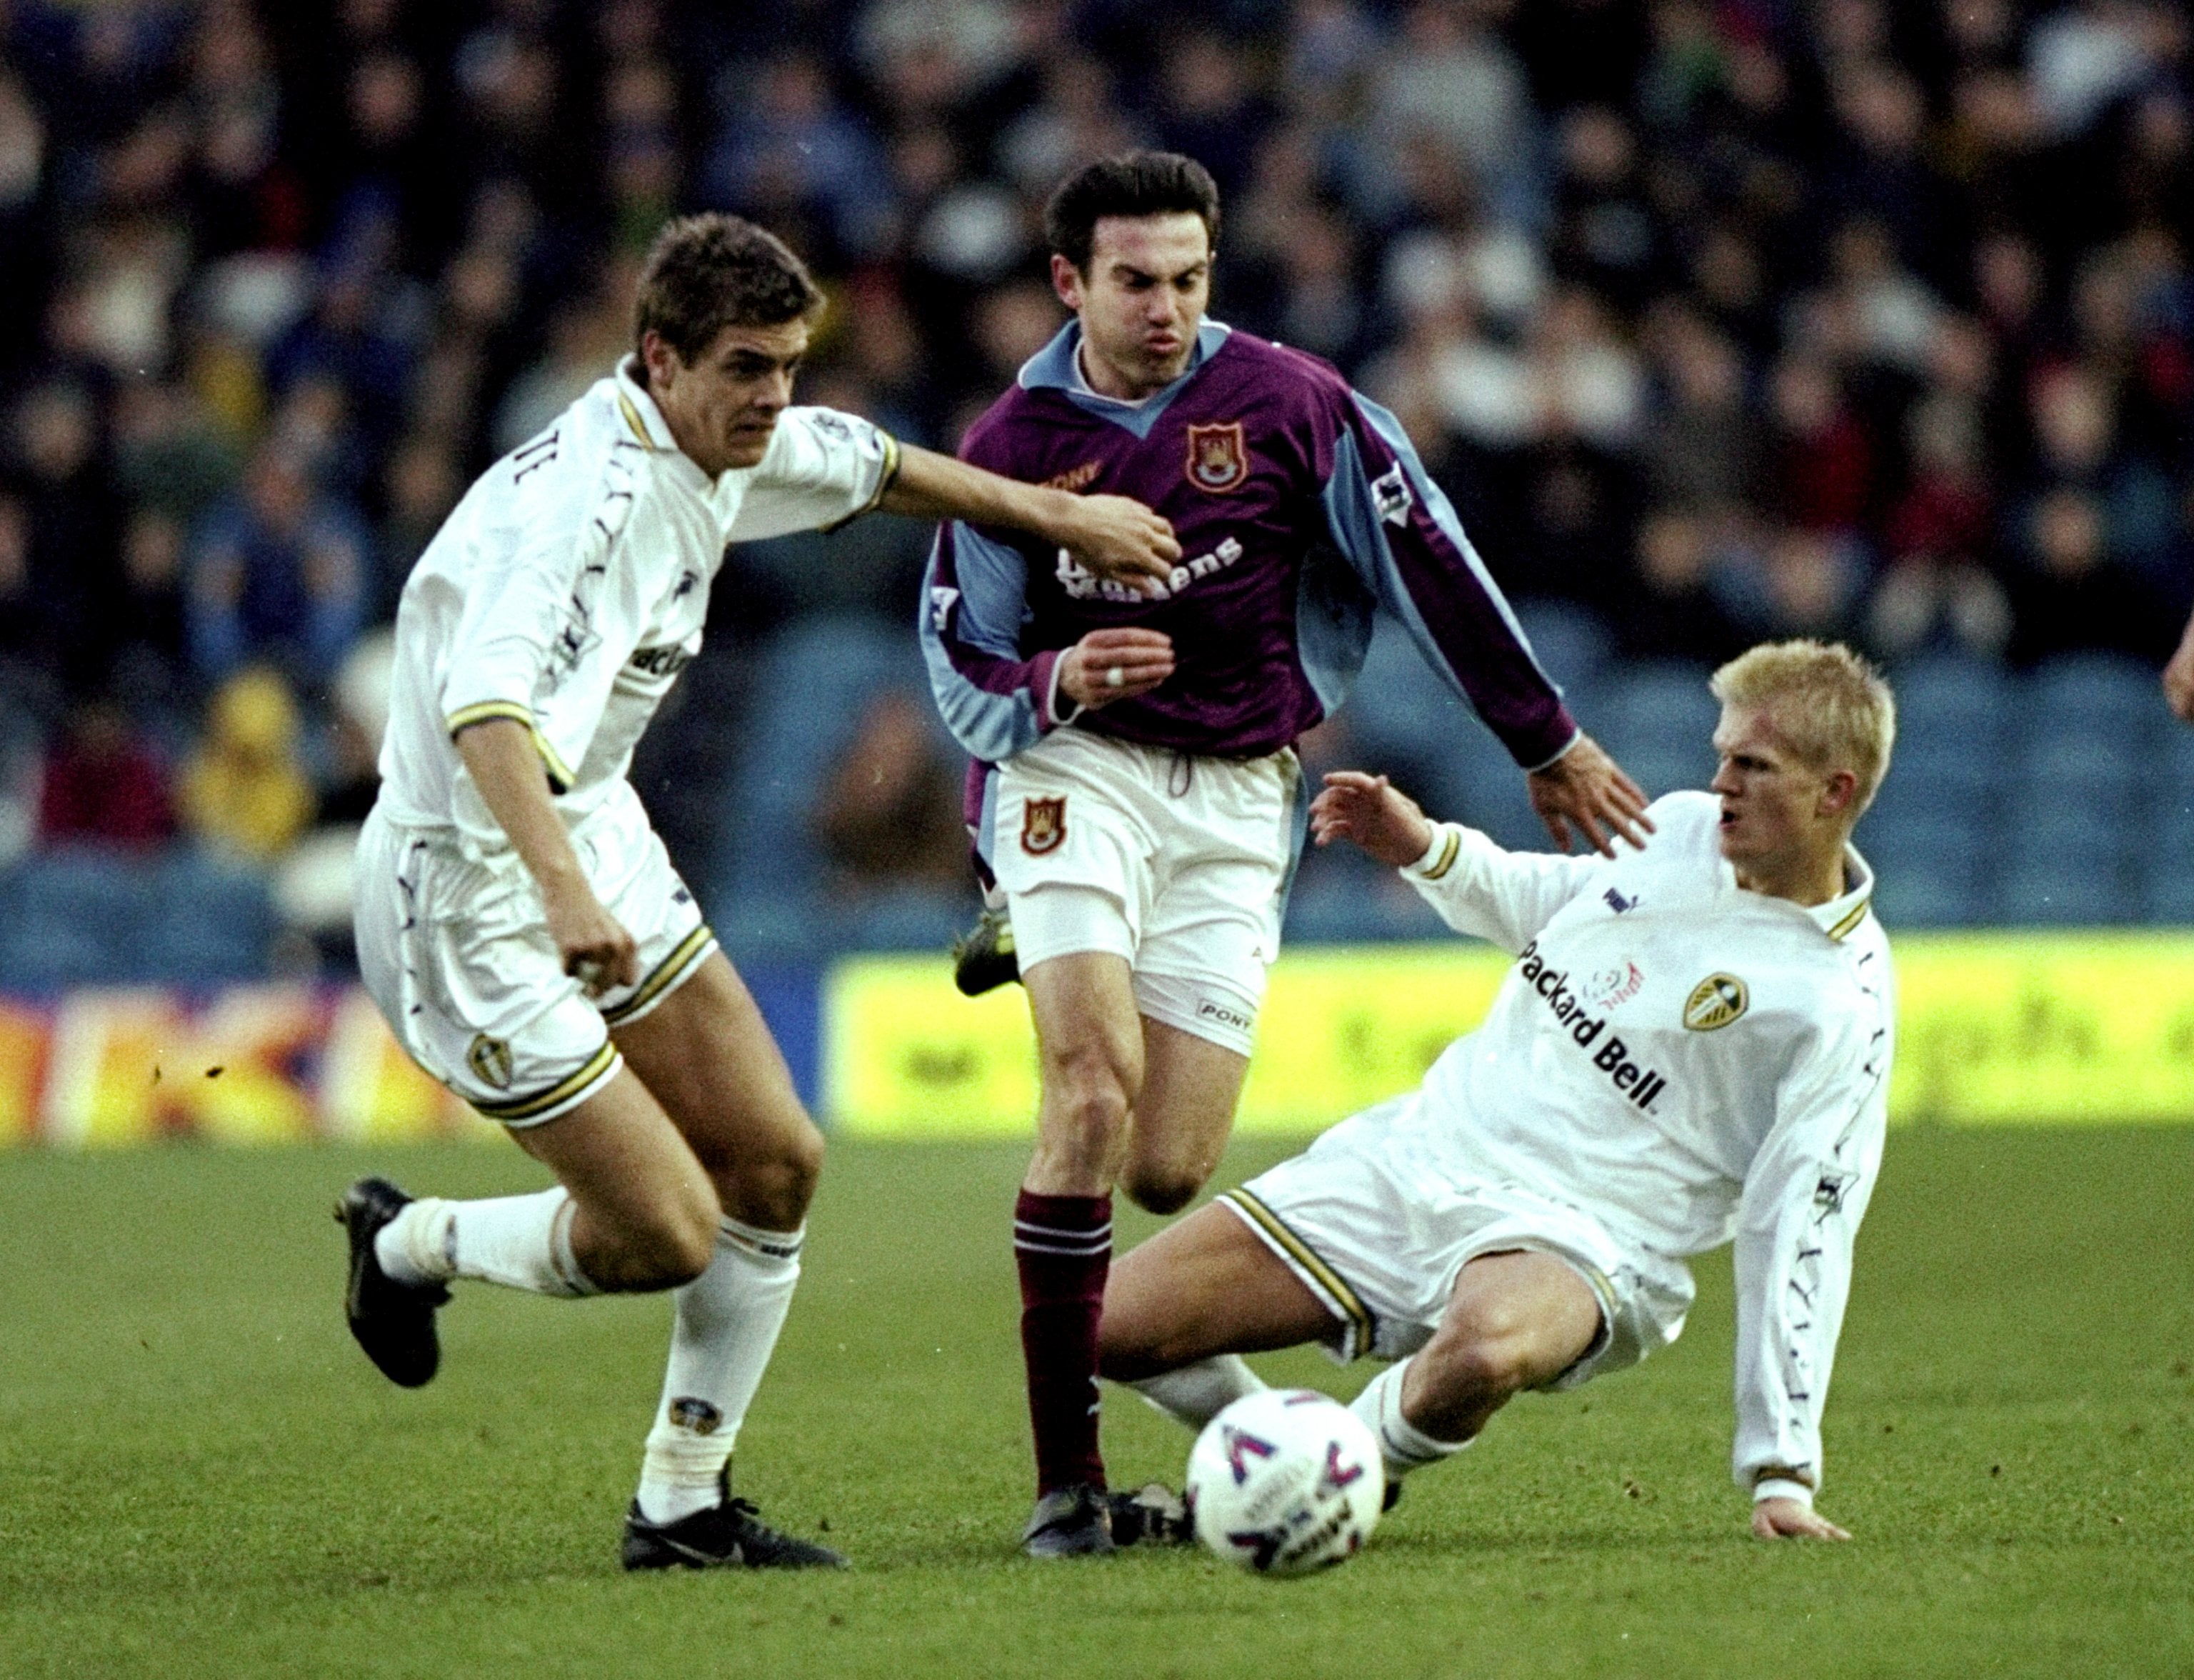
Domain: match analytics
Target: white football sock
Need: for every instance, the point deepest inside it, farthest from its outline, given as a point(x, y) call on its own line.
point(1402, 1444)
point(521, 1242)
point(1195, 1394)
point(724, 1331)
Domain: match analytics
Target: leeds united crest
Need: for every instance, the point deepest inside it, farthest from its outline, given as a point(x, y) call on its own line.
point(1218, 458)
point(490, 1060)
point(1715, 1002)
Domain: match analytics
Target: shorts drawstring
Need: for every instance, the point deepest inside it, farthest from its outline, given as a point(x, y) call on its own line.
point(1182, 776)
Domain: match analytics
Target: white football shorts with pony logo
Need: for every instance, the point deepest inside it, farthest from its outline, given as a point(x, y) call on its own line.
point(1177, 863)
point(454, 945)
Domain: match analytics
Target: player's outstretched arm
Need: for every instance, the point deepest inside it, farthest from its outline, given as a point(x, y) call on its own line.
point(499, 753)
point(1584, 790)
point(1374, 813)
point(2178, 676)
point(1780, 1519)
point(1116, 537)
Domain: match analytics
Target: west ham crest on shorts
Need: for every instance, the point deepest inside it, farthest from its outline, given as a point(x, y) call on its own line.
point(1044, 826)
point(1218, 458)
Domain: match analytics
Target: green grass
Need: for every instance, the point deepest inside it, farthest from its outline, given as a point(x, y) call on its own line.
point(200, 1476)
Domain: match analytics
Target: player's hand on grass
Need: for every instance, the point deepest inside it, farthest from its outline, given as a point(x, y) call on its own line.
point(1586, 792)
point(594, 944)
point(1118, 537)
point(1374, 813)
point(1780, 1519)
point(1115, 664)
point(2178, 676)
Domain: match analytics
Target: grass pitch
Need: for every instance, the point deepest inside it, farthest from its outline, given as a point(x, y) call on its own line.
point(200, 1476)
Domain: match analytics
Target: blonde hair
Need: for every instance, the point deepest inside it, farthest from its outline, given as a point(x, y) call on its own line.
point(1828, 702)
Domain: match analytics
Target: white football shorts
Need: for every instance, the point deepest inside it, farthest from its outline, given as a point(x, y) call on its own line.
point(457, 952)
point(1381, 1241)
point(1176, 863)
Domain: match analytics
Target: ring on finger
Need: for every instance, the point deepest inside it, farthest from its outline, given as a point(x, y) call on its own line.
point(1114, 677)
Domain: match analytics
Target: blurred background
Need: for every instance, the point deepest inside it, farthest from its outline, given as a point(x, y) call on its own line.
point(1718, 321)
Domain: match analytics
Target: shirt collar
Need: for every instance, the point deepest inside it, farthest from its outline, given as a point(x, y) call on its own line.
point(1839, 917)
point(1057, 366)
point(642, 418)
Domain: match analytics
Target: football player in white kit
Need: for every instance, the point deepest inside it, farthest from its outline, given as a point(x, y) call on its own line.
point(519, 923)
point(1693, 1045)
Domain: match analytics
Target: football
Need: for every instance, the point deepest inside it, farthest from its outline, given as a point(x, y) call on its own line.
point(1285, 1481)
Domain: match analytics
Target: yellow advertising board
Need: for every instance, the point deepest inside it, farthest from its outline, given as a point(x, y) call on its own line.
point(1993, 1028)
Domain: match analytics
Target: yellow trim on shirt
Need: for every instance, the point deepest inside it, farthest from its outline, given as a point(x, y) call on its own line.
point(560, 778)
point(1446, 858)
point(632, 419)
point(885, 480)
point(599, 1065)
point(465, 716)
point(1842, 929)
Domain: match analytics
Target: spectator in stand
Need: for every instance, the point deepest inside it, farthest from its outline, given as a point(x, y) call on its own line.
point(150, 668)
point(69, 557)
point(102, 783)
point(279, 575)
point(890, 813)
point(1824, 459)
point(1938, 591)
point(2069, 596)
point(244, 790)
point(1671, 610)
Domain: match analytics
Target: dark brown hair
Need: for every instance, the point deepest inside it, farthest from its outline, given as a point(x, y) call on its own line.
point(1136, 183)
point(707, 272)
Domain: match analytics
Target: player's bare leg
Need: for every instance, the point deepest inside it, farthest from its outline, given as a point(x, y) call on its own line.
point(706, 1054)
point(1126, 1100)
point(1089, 1041)
point(1516, 1321)
point(1181, 1118)
point(1205, 1286)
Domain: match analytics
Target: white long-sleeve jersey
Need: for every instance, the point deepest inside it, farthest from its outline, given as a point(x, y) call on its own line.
point(1690, 1063)
point(568, 587)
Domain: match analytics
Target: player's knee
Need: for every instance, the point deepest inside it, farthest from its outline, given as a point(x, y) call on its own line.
point(773, 1188)
point(1089, 1087)
point(1486, 1368)
point(1162, 1189)
point(673, 1243)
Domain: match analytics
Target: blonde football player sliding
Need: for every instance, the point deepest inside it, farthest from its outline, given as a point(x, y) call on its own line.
point(519, 923)
point(1692, 1047)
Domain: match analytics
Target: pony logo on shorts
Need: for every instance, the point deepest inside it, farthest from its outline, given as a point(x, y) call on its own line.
point(1218, 458)
point(1044, 826)
point(1715, 1002)
point(490, 1060)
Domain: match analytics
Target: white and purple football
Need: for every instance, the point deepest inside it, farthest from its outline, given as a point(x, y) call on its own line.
point(1285, 1481)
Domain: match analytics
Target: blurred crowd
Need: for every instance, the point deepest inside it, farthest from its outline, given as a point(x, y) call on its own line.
point(1718, 320)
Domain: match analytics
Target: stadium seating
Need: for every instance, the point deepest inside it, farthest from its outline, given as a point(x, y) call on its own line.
point(2064, 797)
point(84, 915)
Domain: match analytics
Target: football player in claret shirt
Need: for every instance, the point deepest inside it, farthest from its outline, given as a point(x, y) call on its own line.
point(1147, 806)
point(1692, 1048)
point(520, 925)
